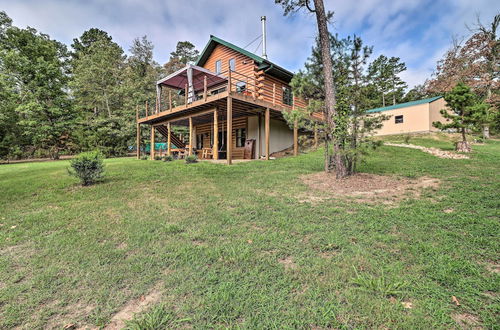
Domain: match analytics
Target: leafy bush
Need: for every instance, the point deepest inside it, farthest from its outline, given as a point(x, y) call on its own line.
point(144, 157)
point(157, 157)
point(88, 167)
point(191, 159)
point(168, 158)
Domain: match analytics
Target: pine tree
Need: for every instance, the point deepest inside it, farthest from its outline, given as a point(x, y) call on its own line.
point(98, 88)
point(395, 67)
point(379, 73)
point(184, 53)
point(467, 113)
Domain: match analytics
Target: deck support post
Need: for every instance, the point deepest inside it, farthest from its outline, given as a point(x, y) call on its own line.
point(205, 88)
point(190, 151)
point(215, 147)
point(229, 139)
point(138, 133)
point(152, 145)
point(170, 99)
point(315, 137)
point(266, 129)
point(169, 147)
point(295, 138)
point(138, 141)
point(158, 97)
point(147, 113)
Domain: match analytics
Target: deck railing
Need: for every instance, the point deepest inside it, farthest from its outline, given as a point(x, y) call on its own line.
point(170, 99)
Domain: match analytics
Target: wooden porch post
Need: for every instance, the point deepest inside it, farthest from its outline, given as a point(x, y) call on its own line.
point(138, 133)
point(157, 105)
point(205, 88)
point(216, 135)
point(170, 99)
point(229, 139)
point(190, 151)
point(138, 141)
point(169, 148)
point(266, 129)
point(315, 137)
point(295, 138)
point(152, 147)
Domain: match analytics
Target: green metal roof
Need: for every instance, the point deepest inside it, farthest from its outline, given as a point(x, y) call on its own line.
point(271, 68)
point(404, 105)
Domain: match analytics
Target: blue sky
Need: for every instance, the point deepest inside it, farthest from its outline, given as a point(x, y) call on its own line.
point(418, 31)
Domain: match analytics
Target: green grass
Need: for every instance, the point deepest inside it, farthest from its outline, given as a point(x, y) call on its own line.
point(210, 238)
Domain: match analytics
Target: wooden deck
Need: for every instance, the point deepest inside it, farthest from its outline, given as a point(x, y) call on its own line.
point(228, 101)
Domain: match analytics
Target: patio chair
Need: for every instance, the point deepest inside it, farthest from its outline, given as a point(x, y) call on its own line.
point(206, 153)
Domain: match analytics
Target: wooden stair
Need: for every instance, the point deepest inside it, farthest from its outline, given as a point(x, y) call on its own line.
point(163, 130)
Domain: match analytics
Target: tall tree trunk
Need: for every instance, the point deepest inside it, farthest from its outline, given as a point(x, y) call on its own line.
point(463, 146)
point(486, 131)
point(393, 90)
point(330, 100)
point(383, 99)
point(492, 67)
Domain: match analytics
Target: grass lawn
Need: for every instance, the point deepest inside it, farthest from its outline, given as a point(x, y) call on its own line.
point(235, 246)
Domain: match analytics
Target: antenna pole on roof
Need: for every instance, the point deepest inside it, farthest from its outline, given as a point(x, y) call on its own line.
point(263, 20)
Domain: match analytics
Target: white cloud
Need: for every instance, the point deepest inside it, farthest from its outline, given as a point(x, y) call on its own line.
point(415, 30)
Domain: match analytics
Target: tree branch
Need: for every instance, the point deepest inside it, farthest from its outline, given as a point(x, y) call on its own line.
point(309, 7)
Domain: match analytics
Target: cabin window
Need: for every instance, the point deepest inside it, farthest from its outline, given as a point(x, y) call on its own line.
point(241, 136)
point(287, 95)
point(199, 141)
point(218, 66)
point(398, 119)
point(232, 64)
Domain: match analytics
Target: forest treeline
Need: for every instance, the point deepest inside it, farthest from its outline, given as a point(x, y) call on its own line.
point(62, 99)
point(56, 99)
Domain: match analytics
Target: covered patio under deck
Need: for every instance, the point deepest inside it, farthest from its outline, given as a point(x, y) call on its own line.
point(225, 116)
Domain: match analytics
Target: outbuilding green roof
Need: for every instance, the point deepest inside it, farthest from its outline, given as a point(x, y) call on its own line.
point(271, 68)
point(404, 105)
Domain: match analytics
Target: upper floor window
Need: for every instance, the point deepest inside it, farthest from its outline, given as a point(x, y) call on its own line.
point(287, 95)
point(398, 119)
point(232, 64)
point(218, 66)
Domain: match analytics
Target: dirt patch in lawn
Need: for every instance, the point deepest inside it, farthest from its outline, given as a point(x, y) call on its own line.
point(366, 187)
point(68, 314)
point(288, 263)
point(466, 321)
point(133, 307)
point(493, 267)
point(433, 151)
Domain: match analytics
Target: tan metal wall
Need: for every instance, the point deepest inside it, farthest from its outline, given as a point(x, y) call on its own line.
point(415, 120)
point(434, 113)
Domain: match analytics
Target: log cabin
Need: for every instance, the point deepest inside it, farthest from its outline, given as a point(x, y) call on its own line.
point(231, 101)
